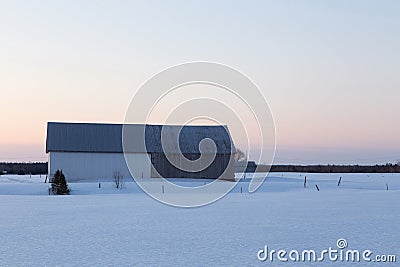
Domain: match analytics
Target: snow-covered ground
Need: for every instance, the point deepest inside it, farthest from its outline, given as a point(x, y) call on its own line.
point(107, 226)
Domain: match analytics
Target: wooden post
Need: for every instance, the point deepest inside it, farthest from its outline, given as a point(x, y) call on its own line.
point(317, 187)
point(99, 185)
point(387, 187)
point(340, 180)
point(241, 190)
point(163, 189)
point(305, 181)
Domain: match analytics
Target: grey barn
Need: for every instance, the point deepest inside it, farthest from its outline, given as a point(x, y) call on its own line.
point(94, 152)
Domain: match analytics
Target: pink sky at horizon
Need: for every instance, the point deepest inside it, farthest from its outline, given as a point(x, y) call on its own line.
point(330, 72)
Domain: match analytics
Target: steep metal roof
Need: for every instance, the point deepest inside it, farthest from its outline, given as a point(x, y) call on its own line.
point(95, 137)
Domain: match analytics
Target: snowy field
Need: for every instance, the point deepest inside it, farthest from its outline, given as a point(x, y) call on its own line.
point(108, 226)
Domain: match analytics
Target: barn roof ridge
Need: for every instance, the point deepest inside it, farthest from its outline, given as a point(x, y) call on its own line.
point(107, 137)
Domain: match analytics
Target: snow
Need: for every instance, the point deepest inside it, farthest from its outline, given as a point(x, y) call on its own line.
point(125, 227)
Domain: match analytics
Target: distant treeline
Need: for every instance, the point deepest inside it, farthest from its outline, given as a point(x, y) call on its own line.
point(24, 168)
point(387, 168)
point(41, 168)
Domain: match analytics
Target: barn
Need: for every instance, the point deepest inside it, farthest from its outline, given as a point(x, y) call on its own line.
point(94, 151)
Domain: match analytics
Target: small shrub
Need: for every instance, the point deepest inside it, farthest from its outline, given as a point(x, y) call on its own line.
point(59, 185)
point(119, 181)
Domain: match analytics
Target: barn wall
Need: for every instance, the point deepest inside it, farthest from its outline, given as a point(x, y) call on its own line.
point(221, 166)
point(81, 166)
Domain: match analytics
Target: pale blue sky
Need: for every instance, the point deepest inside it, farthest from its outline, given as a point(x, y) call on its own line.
point(329, 69)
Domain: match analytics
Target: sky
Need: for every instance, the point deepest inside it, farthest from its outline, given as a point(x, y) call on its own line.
point(329, 69)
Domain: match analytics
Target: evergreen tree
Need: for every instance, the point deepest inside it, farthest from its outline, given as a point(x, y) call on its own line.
point(59, 185)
